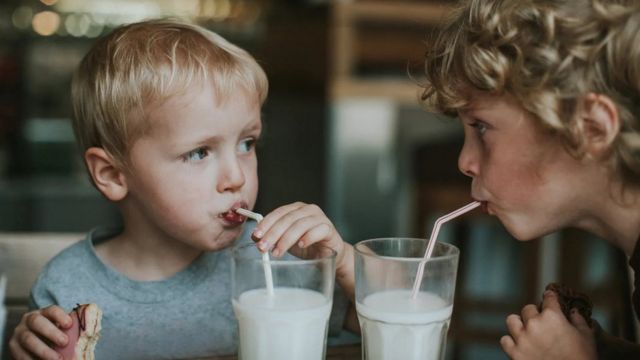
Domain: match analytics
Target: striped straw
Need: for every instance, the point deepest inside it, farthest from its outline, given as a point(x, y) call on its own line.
point(432, 241)
point(266, 262)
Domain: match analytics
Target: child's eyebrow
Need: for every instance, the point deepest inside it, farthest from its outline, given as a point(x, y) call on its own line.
point(214, 139)
point(254, 124)
point(474, 110)
point(467, 112)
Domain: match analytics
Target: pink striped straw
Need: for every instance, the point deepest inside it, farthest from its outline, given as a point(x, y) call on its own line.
point(432, 241)
point(266, 262)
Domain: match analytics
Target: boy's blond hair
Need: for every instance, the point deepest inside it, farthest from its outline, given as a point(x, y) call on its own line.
point(548, 54)
point(145, 63)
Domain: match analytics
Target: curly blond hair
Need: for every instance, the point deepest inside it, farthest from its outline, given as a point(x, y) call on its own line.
point(548, 54)
point(145, 63)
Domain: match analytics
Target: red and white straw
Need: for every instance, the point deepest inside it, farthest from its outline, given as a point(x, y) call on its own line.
point(266, 262)
point(432, 241)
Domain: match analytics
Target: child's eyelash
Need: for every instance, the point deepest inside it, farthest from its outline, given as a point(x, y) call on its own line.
point(479, 126)
point(196, 154)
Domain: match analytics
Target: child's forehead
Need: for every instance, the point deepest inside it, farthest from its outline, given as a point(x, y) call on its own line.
point(202, 101)
point(184, 97)
point(181, 97)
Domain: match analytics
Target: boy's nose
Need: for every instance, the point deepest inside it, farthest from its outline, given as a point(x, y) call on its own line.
point(467, 162)
point(231, 176)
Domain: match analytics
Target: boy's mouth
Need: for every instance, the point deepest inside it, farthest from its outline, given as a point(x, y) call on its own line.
point(485, 208)
point(232, 217)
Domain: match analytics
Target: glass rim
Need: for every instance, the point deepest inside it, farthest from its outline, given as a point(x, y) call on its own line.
point(235, 254)
point(455, 253)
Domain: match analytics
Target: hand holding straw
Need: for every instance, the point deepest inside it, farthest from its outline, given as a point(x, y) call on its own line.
point(266, 263)
point(432, 241)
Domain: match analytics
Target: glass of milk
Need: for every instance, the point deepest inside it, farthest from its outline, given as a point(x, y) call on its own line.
point(292, 322)
point(394, 324)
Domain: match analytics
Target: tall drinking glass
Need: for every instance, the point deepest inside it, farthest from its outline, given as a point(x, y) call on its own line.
point(291, 323)
point(394, 324)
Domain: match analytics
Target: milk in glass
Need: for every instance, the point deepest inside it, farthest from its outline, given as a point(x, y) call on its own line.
point(290, 325)
point(395, 326)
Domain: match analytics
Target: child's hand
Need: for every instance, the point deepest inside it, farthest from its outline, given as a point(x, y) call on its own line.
point(547, 334)
point(296, 226)
point(37, 330)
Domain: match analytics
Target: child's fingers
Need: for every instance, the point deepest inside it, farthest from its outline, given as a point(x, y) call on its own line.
point(320, 232)
point(578, 321)
point(36, 330)
point(508, 345)
point(273, 231)
point(35, 345)
point(278, 216)
point(57, 315)
point(286, 226)
point(43, 327)
point(307, 229)
point(275, 216)
point(528, 312)
point(16, 350)
point(515, 326)
point(550, 301)
point(291, 235)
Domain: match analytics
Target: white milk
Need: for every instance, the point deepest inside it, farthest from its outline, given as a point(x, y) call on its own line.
point(292, 324)
point(394, 326)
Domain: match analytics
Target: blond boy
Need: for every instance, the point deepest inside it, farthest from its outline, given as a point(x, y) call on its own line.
point(167, 115)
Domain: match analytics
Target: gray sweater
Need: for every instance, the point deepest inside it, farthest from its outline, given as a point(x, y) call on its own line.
point(186, 315)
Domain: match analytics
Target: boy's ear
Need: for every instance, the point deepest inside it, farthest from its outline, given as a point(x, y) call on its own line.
point(106, 174)
point(600, 124)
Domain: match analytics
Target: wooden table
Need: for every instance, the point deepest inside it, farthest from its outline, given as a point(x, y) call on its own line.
point(342, 352)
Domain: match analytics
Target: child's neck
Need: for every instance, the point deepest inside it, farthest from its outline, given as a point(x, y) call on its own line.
point(618, 218)
point(143, 258)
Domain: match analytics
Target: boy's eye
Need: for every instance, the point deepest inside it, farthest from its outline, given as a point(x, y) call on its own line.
point(247, 145)
point(479, 126)
point(197, 154)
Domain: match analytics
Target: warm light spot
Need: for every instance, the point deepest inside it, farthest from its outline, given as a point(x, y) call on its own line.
point(49, 2)
point(21, 17)
point(223, 9)
point(215, 9)
point(207, 8)
point(247, 13)
point(46, 23)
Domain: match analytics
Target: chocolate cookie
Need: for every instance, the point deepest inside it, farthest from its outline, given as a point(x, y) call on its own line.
point(571, 299)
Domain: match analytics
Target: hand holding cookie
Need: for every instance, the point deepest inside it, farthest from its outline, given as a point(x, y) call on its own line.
point(83, 334)
point(571, 301)
point(545, 332)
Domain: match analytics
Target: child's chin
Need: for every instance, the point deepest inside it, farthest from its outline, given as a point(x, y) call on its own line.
point(520, 231)
point(222, 242)
point(523, 235)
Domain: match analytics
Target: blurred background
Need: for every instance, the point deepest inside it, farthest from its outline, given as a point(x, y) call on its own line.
point(343, 129)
